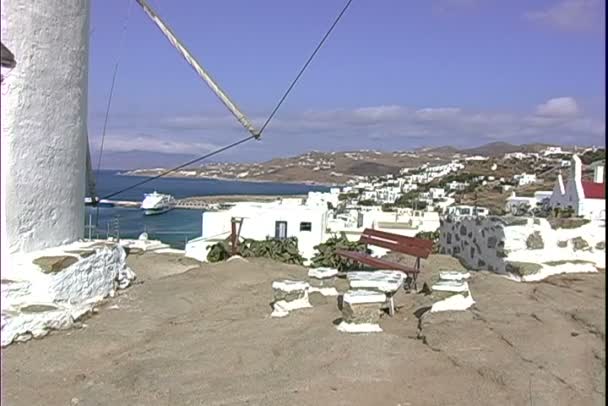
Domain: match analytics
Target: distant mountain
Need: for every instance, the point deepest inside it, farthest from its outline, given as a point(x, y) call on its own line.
point(493, 149)
point(125, 160)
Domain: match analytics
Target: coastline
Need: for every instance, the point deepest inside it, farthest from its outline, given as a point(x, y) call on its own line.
point(249, 180)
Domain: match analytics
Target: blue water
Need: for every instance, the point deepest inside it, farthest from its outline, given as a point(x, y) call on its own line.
point(175, 226)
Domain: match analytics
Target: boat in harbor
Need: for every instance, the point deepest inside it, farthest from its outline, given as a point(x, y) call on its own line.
point(157, 203)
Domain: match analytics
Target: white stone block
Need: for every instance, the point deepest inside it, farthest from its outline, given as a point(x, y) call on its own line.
point(383, 281)
point(322, 273)
point(454, 275)
point(451, 286)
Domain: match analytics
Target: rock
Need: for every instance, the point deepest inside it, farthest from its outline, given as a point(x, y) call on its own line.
point(449, 238)
point(463, 230)
point(82, 253)
point(510, 221)
point(535, 241)
point(501, 253)
point(522, 268)
point(426, 290)
point(38, 308)
point(143, 237)
point(579, 243)
point(562, 244)
point(600, 245)
point(322, 277)
point(492, 242)
point(288, 290)
point(481, 263)
point(317, 299)
point(56, 263)
point(537, 222)
point(362, 306)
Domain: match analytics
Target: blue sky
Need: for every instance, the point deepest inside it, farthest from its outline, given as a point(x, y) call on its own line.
point(394, 74)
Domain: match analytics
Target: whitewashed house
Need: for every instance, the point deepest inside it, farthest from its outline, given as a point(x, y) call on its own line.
point(525, 178)
point(465, 210)
point(307, 221)
point(586, 198)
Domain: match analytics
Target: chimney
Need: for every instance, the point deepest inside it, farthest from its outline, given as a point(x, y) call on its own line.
point(598, 174)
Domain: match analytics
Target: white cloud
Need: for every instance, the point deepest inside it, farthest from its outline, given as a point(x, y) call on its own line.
point(125, 141)
point(570, 15)
point(558, 107)
point(387, 126)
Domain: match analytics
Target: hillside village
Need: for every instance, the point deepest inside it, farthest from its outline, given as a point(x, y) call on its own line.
point(415, 201)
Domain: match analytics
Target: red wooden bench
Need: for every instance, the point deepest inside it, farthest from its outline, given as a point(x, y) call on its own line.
point(415, 247)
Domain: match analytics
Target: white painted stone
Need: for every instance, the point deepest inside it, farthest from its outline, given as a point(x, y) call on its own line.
point(547, 271)
point(384, 281)
point(322, 273)
point(287, 285)
point(328, 291)
point(451, 286)
point(237, 258)
point(282, 307)
point(70, 293)
point(454, 275)
point(458, 302)
point(362, 296)
point(358, 328)
point(43, 124)
point(515, 248)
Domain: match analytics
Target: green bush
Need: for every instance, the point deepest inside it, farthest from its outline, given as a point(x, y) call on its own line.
point(281, 250)
point(326, 253)
point(430, 235)
point(219, 252)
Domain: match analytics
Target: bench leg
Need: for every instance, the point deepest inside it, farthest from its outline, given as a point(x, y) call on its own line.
point(391, 306)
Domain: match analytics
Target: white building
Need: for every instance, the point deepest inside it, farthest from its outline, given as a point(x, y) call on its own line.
point(455, 185)
point(436, 193)
point(586, 198)
point(525, 178)
point(280, 219)
point(464, 210)
point(554, 151)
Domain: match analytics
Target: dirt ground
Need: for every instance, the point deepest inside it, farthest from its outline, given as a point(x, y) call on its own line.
point(204, 337)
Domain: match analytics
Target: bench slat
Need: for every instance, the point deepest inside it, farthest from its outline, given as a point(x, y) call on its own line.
point(417, 242)
point(376, 262)
point(397, 247)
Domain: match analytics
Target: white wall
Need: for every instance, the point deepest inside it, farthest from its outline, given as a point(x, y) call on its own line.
point(489, 243)
point(259, 223)
point(44, 119)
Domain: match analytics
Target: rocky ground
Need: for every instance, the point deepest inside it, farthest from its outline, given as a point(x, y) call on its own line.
point(190, 334)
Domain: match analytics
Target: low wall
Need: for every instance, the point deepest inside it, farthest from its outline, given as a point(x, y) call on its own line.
point(522, 246)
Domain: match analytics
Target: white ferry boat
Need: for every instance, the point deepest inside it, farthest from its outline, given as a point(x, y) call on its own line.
point(157, 203)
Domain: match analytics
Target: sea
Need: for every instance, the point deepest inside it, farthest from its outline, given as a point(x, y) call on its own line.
point(177, 226)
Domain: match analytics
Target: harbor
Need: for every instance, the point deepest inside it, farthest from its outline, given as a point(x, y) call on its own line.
point(198, 202)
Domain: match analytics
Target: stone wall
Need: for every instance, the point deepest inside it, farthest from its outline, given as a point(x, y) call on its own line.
point(521, 246)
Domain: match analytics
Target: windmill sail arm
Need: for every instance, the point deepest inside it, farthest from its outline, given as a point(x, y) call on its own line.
point(198, 68)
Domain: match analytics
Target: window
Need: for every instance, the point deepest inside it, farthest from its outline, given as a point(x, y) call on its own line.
point(305, 226)
point(280, 230)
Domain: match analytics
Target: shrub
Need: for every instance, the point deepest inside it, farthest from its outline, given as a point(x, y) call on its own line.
point(219, 252)
point(281, 250)
point(326, 253)
point(430, 235)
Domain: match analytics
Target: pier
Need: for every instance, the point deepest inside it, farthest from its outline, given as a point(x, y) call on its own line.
point(198, 202)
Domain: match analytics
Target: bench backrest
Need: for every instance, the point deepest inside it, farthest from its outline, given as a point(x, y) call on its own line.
point(416, 247)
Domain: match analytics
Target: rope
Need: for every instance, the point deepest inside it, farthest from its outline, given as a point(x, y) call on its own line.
point(268, 120)
point(107, 115)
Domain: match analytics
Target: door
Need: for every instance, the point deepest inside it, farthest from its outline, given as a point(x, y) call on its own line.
point(280, 230)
